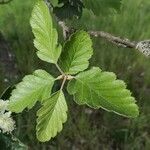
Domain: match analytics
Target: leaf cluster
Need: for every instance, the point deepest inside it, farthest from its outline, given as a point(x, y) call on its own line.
point(92, 87)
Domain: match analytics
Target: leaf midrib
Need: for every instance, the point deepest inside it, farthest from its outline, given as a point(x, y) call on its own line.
point(94, 91)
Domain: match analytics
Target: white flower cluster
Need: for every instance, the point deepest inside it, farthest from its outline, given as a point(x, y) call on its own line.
point(7, 124)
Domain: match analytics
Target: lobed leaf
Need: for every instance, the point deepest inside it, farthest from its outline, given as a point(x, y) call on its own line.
point(33, 88)
point(77, 51)
point(51, 117)
point(101, 89)
point(46, 36)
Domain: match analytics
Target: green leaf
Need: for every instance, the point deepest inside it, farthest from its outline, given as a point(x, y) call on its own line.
point(102, 6)
point(101, 89)
point(46, 36)
point(51, 117)
point(33, 88)
point(77, 51)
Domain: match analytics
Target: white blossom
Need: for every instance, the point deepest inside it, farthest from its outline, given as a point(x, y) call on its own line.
point(7, 124)
point(3, 106)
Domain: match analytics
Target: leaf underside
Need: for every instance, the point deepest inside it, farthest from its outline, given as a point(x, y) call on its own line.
point(101, 89)
point(46, 36)
point(51, 117)
point(33, 88)
point(76, 53)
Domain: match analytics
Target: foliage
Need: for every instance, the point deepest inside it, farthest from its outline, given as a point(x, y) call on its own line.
point(76, 53)
point(74, 8)
point(32, 88)
point(46, 35)
point(54, 109)
point(108, 131)
point(51, 116)
point(101, 89)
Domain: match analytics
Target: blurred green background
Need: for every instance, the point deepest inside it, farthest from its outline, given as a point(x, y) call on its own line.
point(86, 129)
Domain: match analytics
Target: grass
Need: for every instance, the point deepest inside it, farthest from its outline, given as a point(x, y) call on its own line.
point(88, 128)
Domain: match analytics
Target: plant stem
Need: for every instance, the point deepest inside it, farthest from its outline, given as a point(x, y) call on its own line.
point(63, 83)
point(114, 39)
point(121, 42)
point(60, 70)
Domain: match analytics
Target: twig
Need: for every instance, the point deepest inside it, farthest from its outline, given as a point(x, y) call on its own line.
point(109, 37)
point(65, 29)
point(142, 46)
point(114, 39)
